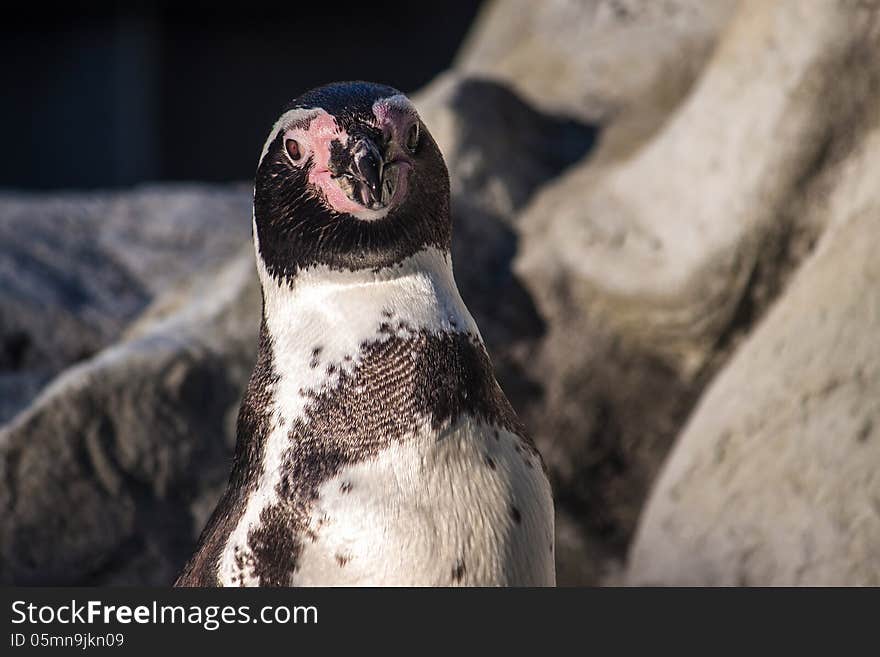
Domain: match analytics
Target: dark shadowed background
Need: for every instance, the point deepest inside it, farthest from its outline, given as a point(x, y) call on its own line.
point(111, 94)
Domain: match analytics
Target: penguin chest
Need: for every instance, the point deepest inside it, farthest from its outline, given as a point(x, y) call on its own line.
point(466, 506)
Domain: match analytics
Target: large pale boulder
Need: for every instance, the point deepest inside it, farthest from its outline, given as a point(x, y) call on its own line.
point(776, 479)
point(649, 268)
point(626, 62)
point(663, 244)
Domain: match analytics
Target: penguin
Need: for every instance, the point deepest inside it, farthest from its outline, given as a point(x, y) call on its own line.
point(374, 444)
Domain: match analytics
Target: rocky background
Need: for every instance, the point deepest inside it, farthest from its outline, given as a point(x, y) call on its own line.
point(667, 226)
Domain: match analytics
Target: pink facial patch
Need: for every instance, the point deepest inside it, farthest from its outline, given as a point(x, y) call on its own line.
point(315, 139)
point(393, 115)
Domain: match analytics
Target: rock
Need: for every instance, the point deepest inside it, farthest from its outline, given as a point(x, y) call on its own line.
point(76, 268)
point(649, 268)
point(665, 260)
point(105, 473)
point(499, 149)
point(776, 479)
point(626, 61)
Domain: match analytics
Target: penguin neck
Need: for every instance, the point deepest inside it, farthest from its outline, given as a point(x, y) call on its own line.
point(323, 317)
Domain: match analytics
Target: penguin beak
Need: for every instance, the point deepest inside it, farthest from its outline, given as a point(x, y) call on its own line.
point(364, 177)
point(366, 167)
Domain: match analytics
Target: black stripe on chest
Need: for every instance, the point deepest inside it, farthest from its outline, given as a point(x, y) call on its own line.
point(400, 381)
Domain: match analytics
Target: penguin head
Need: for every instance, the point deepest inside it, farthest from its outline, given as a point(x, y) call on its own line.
point(349, 178)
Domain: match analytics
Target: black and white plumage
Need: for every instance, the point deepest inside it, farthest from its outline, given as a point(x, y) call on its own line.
point(375, 446)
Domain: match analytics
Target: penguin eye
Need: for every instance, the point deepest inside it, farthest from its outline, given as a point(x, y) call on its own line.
point(294, 150)
point(412, 138)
